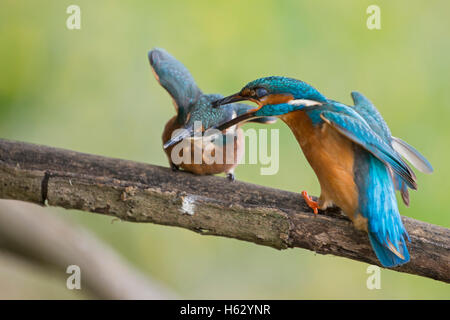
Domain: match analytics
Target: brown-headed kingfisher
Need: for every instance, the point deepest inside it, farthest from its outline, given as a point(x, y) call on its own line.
point(193, 107)
point(358, 163)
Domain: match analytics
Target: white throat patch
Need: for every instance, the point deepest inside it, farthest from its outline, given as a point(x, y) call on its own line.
point(304, 102)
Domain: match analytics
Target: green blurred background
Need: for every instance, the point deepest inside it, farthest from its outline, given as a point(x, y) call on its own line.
point(92, 90)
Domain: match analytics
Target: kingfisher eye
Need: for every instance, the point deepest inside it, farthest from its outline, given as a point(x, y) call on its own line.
point(261, 92)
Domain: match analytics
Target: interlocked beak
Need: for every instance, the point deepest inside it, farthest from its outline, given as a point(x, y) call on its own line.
point(227, 100)
point(231, 99)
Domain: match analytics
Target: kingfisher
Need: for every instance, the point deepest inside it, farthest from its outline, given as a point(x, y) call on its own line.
point(193, 107)
point(357, 161)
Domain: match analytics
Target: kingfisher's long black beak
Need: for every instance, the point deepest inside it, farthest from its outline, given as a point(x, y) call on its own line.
point(227, 100)
point(185, 133)
point(242, 118)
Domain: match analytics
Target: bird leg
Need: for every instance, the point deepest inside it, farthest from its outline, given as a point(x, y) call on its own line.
point(174, 167)
point(310, 202)
point(230, 176)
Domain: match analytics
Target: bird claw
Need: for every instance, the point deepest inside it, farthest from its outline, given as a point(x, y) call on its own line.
point(310, 202)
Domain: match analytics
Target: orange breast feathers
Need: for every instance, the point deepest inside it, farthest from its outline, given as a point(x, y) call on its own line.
point(208, 166)
point(331, 156)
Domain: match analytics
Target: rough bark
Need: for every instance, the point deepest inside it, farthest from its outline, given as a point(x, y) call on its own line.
point(208, 205)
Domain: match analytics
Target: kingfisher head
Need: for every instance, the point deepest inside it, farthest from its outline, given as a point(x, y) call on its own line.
point(194, 111)
point(201, 116)
point(274, 96)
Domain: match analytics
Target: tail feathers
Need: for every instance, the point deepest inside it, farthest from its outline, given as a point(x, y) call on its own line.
point(389, 254)
point(379, 205)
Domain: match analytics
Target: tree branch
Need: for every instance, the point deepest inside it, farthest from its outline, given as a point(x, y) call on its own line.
point(208, 205)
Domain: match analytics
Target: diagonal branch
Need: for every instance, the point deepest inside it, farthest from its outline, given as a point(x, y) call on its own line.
point(208, 205)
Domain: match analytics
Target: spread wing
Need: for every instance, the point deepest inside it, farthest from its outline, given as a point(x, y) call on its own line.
point(412, 155)
point(373, 117)
point(173, 76)
point(358, 130)
point(371, 114)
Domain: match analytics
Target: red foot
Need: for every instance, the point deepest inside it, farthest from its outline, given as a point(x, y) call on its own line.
point(310, 202)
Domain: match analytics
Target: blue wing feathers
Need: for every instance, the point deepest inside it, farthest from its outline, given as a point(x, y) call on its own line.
point(175, 78)
point(412, 155)
point(359, 132)
point(371, 114)
point(374, 160)
point(379, 170)
point(373, 117)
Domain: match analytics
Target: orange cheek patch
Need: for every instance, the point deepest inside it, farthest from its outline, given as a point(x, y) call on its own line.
point(271, 99)
point(258, 102)
point(275, 99)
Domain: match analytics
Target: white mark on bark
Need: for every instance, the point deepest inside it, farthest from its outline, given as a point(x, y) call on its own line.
point(188, 205)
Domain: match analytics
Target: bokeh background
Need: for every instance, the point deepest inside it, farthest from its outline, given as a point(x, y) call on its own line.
point(92, 90)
